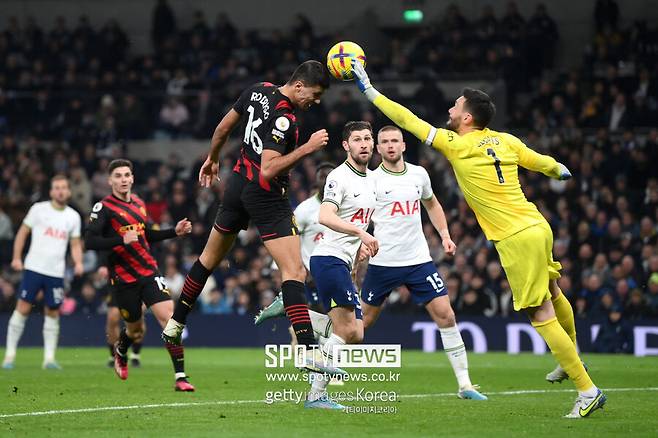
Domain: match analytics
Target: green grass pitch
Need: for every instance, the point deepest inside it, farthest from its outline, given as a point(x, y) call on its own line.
point(231, 384)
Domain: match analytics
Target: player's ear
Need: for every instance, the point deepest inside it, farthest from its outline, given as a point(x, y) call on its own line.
point(346, 146)
point(404, 146)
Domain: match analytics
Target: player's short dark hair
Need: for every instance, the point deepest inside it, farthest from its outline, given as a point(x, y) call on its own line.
point(311, 73)
point(119, 162)
point(479, 104)
point(350, 127)
point(325, 165)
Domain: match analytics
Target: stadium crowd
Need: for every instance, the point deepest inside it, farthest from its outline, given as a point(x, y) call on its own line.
point(71, 98)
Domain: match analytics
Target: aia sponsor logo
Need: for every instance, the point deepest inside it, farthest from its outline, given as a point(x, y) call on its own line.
point(362, 216)
point(405, 208)
point(55, 233)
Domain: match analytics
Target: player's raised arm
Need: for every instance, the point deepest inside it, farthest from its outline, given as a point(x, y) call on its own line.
point(210, 168)
point(532, 160)
point(400, 115)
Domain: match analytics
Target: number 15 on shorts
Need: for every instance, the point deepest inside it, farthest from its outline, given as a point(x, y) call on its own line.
point(435, 281)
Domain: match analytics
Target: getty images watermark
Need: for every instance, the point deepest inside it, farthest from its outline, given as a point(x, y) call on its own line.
point(341, 356)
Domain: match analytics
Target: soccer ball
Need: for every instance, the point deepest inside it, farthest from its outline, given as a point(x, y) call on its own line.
point(339, 59)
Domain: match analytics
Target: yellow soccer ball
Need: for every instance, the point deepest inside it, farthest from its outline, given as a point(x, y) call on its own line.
point(339, 59)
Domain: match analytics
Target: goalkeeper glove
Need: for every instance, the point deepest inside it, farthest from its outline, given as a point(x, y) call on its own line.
point(563, 172)
point(363, 81)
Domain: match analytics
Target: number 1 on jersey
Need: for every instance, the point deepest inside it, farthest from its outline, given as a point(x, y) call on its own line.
point(499, 171)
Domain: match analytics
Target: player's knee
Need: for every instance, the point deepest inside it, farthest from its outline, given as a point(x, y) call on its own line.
point(52, 313)
point(136, 333)
point(23, 307)
point(448, 320)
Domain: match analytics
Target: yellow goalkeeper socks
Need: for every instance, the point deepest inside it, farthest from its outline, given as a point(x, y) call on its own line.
point(564, 352)
point(564, 313)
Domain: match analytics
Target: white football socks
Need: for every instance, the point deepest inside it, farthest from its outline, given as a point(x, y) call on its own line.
point(320, 381)
point(14, 333)
point(50, 336)
point(590, 393)
point(321, 323)
point(453, 345)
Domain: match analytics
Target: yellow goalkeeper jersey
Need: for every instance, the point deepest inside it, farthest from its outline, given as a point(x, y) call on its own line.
point(486, 166)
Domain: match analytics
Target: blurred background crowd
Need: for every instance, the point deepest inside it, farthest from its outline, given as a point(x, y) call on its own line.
point(73, 96)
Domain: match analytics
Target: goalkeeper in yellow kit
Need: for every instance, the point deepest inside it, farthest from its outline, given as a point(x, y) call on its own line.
point(486, 166)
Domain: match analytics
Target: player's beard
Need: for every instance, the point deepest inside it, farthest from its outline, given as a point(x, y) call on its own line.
point(61, 198)
point(452, 124)
point(61, 201)
point(359, 160)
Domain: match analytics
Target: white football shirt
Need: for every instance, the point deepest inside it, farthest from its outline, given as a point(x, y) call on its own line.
point(51, 231)
point(354, 193)
point(311, 231)
point(398, 227)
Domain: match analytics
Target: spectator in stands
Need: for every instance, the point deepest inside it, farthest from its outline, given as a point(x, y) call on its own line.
point(619, 115)
point(88, 302)
point(615, 336)
point(131, 118)
point(173, 276)
point(80, 190)
point(606, 14)
point(7, 296)
point(652, 298)
point(218, 304)
point(173, 117)
point(636, 307)
point(163, 24)
point(542, 37)
point(6, 237)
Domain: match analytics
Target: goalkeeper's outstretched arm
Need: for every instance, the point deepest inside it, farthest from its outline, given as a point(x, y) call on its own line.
point(399, 114)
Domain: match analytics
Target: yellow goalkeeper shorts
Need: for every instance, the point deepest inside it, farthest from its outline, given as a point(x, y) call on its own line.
point(527, 258)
